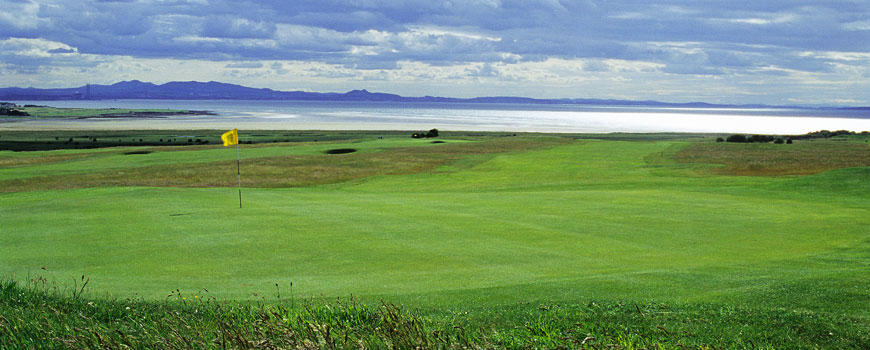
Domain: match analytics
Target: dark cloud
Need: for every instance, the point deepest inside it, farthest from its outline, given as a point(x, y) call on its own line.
point(61, 50)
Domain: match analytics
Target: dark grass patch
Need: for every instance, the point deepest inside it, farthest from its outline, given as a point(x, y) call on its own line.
point(341, 151)
point(137, 152)
point(438, 142)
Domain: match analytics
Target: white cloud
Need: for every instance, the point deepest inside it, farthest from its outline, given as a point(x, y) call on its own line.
point(32, 47)
point(17, 15)
point(857, 25)
point(772, 19)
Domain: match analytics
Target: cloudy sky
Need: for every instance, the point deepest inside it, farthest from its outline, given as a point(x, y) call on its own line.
point(734, 51)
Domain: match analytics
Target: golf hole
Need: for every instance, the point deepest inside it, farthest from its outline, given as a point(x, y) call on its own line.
point(341, 151)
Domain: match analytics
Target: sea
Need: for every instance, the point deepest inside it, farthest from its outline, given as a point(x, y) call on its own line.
point(549, 118)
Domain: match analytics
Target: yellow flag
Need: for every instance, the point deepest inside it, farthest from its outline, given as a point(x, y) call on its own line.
point(231, 137)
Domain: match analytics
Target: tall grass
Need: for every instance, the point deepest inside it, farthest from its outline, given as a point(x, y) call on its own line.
point(36, 314)
point(804, 157)
point(262, 169)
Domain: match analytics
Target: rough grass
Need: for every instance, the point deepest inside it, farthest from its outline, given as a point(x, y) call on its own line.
point(768, 159)
point(8, 162)
point(274, 171)
point(39, 315)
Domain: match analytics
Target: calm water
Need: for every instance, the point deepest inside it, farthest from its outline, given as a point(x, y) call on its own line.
point(294, 115)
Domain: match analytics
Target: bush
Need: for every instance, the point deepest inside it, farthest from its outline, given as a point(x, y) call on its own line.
point(719, 139)
point(13, 112)
point(736, 138)
point(778, 141)
point(760, 138)
point(430, 133)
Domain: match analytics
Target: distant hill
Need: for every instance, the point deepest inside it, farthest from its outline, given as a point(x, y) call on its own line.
point(192, 90)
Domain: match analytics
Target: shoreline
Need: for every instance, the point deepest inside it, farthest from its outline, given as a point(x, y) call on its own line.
point(746, 125)
point(141, 115)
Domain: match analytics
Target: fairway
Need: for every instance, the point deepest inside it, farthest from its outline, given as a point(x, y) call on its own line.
point(564, 221)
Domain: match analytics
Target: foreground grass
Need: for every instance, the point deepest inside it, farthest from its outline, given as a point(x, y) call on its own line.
point(34, 316)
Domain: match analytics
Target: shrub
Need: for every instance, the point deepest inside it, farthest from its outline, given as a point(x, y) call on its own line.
point(430, 133)
point(760, 138)
point(778, 141)
point(719, 139)
point(736, 138)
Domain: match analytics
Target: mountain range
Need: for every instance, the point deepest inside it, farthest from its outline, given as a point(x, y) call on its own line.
point(212, 90)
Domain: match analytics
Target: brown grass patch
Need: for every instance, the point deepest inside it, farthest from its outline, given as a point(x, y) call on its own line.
point(285, 171)
point(45, 159)
point(801, 158)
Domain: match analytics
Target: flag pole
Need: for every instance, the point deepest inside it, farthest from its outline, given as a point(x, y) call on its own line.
point(239, 172)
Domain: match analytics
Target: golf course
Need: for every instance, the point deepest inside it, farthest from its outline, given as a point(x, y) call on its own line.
point(483, 240)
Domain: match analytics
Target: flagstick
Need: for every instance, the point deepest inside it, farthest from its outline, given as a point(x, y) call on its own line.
point(239, 172)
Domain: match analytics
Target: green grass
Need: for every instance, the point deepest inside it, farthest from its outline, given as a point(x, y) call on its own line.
point(494, 228)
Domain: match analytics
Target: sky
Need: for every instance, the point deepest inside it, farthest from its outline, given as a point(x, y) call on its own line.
point(780, 52)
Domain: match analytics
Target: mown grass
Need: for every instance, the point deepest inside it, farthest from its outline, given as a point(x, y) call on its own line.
point(521, 241)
